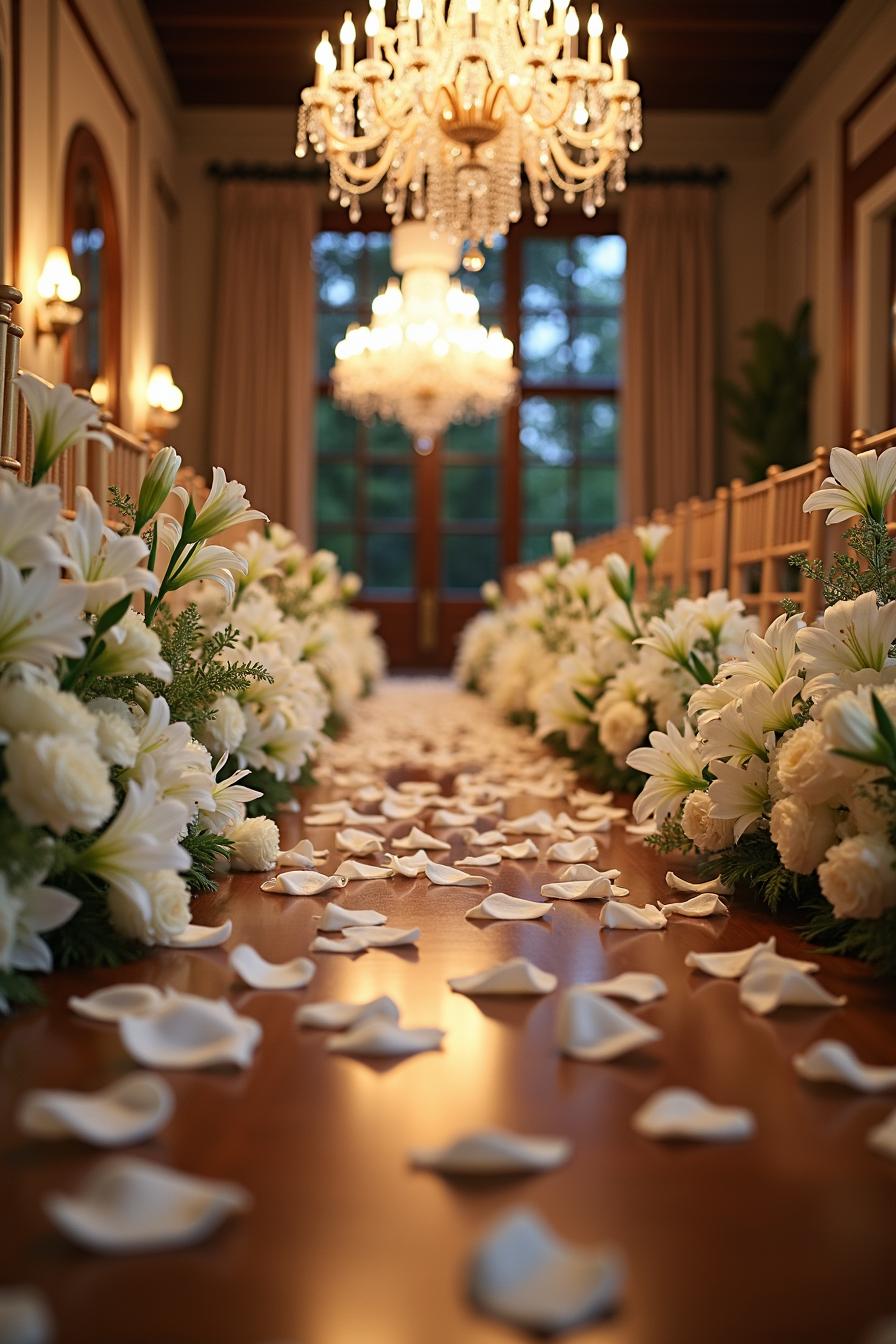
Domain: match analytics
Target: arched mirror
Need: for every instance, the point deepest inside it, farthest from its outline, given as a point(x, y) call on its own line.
point(93, 240)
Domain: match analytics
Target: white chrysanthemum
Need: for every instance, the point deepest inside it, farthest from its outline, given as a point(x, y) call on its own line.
point(116, 739)
point(57, 781)
point(155, 913)
point(256, 844)
point(31, 705)
point(806, 767)
point(223, 732)
point(622, 728)
point(858, 877)
point(130, 648)
point(802, 833)
point(701, 825)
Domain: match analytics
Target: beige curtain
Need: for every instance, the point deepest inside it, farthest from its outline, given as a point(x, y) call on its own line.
point(263, 389)
point(669, 346)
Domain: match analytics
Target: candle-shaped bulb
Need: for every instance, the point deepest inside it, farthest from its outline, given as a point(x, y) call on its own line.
point(415, 10)
point(595, 22)
point(347, 41)
point(537, 10)
point(619, 53)
point(325, 57)
point(372, 24)
point(473, 6)
point(571, 23)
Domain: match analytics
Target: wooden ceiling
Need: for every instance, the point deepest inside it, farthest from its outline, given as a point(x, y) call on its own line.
point(700, 54)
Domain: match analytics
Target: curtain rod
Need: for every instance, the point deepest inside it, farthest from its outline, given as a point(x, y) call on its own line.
point(293, 172)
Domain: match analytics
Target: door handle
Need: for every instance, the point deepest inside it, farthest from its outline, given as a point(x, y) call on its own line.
point(428, 619)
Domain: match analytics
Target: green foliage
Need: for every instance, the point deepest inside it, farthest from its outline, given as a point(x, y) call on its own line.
point(88, 939)
point(274, 792)
point(123, 503)
point(753, 865)
point(771, 409)
point(198, 673)
point(848, 577)
point(670, 838)
point(204, 848)
point(871, 940)
point(19, 990)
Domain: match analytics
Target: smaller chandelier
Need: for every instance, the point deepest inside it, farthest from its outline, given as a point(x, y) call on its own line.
point(425, 360)
point(450, 110)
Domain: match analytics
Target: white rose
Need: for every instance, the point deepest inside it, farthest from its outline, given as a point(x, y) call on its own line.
point(858, 877)
point(223, 733)
point(155, 913)
point(805, 766)
point(708, 832)
point(30, 706)
point(802, 833)
point(622, 728)
point(58, 782)
point(116, 739)
point(256, 844)
point(868, 809)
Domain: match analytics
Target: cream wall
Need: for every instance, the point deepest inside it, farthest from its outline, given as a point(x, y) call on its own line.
point(806, 138)
point(63, 82)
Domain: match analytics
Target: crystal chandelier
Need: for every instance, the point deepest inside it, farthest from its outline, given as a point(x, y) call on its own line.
point(449, 107)
point(425, 360)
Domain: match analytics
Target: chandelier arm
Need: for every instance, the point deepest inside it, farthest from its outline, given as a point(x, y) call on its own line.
point(582, 139)
point(358, 144)
point(556, 112)
point(578, 176)
point(397, 117)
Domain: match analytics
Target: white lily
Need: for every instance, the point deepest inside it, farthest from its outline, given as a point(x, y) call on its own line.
point(59, 419)
point(562, 546)
point(229, 799)
point(131, 647)
point(674, 764)
point(25, 914)
point(28, 518)
point(262, 559)
point(737, 732)
point(217, 564)
point(850, 724)
point(770, 658)
point(859, 484)
point(651, 536)
point(225, 506)
point(157, 485)
point(739, 793)
point(853, 637)
point(40, 616)
point(140, 839)
point(109, 566)
point(674, 637)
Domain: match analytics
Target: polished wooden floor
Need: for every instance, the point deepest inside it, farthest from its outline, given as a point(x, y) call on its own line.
point(783, 1239)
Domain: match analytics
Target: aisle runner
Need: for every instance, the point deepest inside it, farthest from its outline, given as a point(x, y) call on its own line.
point(479, 845)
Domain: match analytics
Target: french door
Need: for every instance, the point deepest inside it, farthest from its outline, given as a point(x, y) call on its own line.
point(426, 532)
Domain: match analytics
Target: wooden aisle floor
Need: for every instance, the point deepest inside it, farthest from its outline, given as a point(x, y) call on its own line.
point(785, 1239)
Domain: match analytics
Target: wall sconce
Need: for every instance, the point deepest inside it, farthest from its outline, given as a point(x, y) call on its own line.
point(100, 391)
point(57, 288)
point(164, 399)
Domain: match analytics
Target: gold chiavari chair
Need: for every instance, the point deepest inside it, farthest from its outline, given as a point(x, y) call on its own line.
point(767, 524)
point(707, 528)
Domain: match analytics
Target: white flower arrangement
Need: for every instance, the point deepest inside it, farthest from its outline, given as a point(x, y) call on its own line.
point(785, 780)
point(112, 700)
